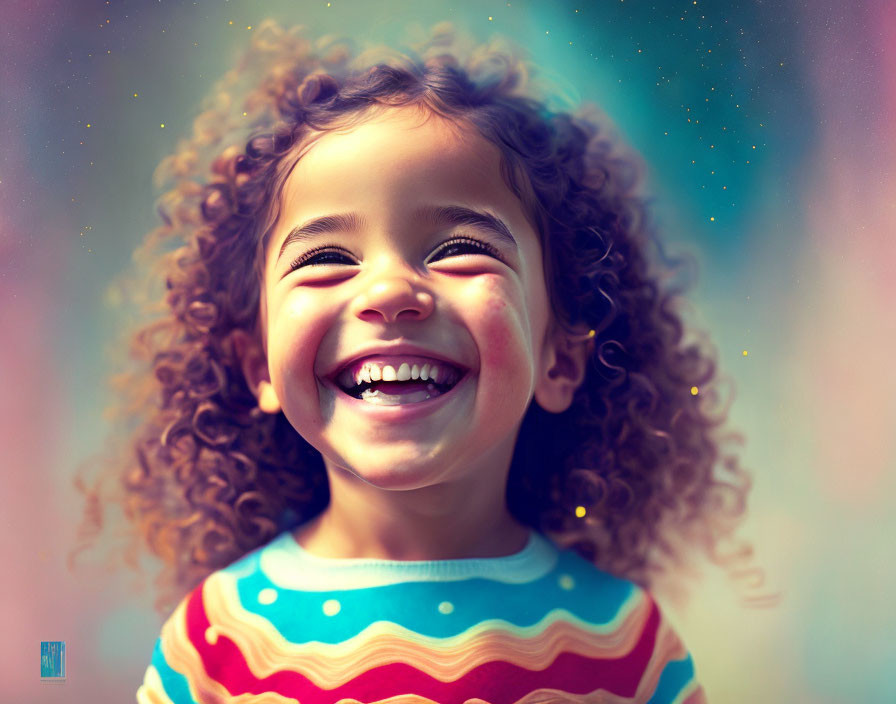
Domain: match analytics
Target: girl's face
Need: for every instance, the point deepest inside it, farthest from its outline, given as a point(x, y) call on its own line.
point(397, 243)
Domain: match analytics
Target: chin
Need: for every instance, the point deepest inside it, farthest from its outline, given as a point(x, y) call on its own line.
point(396, 475)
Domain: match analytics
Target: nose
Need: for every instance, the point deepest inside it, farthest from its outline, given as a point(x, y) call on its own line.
point(393, 298)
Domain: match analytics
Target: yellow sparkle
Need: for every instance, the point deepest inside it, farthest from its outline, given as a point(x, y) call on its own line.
point(162, 125)
point(712, 219)
point(580, 511)
point(490, 18)
point(754, 146)
point(249, 27)
point(231, 22)
point(745, 353)
point(693, 391)
point(245, 113)
point(135, 95)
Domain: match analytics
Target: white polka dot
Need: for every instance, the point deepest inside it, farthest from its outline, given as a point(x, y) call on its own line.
point(566, 582)
point(211, 635)
point(267, 596)
point(446, 607)
point(331, 607)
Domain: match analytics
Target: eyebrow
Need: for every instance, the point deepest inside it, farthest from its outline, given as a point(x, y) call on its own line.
point(432, 214)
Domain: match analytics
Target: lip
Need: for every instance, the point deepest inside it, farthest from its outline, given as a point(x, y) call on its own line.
point(385, 349)
point(400, 412)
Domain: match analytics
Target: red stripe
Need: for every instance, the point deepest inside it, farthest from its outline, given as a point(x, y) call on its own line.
point(498, 681)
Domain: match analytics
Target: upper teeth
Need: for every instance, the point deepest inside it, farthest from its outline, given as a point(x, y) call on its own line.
point(374, 371)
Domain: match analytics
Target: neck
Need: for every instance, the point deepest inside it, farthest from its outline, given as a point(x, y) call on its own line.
point(454, 520)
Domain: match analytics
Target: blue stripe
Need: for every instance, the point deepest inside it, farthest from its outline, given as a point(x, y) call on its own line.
point(175, 684)
point(677, 675)
point(595, 598)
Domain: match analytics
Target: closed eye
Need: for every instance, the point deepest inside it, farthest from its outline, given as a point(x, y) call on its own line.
point(325, 254)
point(464, 245)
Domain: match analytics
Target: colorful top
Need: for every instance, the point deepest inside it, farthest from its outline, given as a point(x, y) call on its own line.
point(284, 626)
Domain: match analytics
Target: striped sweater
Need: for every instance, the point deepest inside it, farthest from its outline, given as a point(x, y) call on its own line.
point(284, 626)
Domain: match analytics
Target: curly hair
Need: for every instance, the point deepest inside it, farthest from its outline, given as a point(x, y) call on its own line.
point(204, 476)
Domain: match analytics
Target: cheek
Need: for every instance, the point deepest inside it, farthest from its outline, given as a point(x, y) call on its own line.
point(294, 338)
point(502, 321)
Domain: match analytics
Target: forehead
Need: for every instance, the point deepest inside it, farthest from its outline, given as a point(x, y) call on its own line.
point(394, 163)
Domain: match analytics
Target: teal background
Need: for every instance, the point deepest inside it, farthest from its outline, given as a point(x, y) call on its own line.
point(767, 144)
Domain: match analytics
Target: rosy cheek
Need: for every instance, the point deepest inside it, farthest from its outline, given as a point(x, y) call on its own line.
point(502, 322)
point(294, 336)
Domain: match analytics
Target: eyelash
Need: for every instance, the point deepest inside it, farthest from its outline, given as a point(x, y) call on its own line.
point(308, 256)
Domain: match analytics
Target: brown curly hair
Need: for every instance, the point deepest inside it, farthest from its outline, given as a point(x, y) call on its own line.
point(204, 476)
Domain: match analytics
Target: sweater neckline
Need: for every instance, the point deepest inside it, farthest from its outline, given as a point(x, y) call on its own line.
point(335, 561)
point(536, 558)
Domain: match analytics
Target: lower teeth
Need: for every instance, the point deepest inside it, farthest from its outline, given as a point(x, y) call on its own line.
point(379, 398)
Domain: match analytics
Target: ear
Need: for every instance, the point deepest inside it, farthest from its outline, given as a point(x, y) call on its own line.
point(254, 363)
point(564, 359)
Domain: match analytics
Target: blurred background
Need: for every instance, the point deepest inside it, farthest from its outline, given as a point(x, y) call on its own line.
point(767, 136)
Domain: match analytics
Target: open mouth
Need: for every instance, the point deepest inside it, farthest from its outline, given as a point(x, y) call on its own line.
point(386, 385)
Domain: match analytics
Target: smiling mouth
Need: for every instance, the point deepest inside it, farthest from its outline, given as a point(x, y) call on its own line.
point(394, 393)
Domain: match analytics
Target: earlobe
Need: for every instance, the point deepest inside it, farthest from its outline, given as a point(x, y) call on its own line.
point(254, 365)
point(267, 398)
point(564, 363)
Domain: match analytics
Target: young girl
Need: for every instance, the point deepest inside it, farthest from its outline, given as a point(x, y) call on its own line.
point(424, 427)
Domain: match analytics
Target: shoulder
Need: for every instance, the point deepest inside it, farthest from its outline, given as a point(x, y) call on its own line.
point(199, 640)
point(628, 624)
